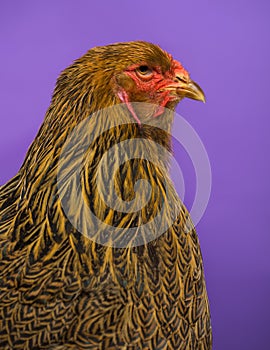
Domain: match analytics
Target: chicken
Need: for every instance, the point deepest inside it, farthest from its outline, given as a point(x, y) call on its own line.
point(66, 287)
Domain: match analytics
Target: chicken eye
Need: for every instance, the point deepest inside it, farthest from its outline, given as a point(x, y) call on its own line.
point(144, 71)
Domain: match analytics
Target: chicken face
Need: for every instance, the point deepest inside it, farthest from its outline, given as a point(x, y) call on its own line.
point(145, 82)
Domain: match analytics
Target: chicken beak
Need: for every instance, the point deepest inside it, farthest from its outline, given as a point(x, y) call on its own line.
point(189, 89)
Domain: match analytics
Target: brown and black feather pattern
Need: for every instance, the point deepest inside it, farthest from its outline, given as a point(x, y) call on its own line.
point(62, 290)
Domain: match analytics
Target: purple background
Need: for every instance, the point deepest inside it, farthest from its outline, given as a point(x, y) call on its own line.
point(225, 46)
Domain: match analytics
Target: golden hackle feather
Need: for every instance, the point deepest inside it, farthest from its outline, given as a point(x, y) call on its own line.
point(58, 288)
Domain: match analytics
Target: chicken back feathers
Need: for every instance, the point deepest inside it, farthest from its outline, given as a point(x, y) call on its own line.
point(61, 289)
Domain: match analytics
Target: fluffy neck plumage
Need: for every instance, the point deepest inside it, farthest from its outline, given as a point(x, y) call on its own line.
point(40, 215)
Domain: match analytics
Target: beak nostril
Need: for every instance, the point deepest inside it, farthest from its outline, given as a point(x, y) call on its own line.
point(181, 78)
